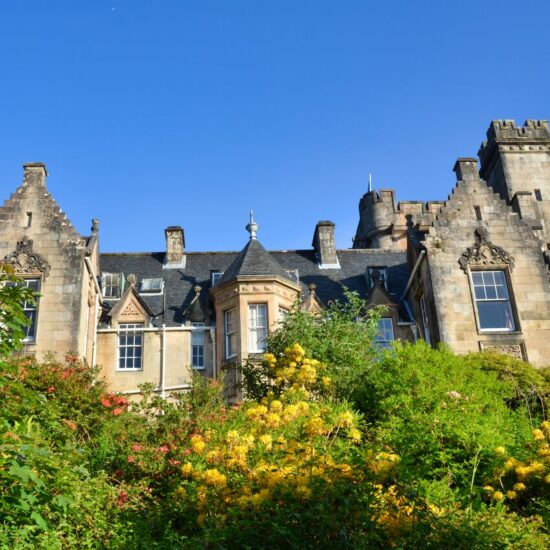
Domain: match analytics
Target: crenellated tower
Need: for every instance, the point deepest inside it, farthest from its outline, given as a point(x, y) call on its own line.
point(515, 162)
point(383, 223)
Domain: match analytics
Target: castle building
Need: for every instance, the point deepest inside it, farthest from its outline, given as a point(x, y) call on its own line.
point(471, 271)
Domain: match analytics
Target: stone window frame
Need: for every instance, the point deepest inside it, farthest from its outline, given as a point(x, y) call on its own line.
point(135, 327)
point(228, 336)
point(504, 268)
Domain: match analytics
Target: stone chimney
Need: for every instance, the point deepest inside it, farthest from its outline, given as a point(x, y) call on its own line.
point(466, 169)
point(175, 247)
point(35, 174)
point(325, 248)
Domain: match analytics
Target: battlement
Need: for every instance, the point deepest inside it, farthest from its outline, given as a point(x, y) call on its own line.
point(502, 132)
point(383, 222)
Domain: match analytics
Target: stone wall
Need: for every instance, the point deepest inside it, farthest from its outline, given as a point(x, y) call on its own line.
point(511, 246)
point(39, 240)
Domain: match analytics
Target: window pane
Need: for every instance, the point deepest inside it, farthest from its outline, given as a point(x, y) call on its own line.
point(491, 292)
point(495, 315)
point(480, 292)
point(477, 278)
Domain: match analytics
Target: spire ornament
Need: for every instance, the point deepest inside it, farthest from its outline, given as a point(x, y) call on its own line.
point(252, 227)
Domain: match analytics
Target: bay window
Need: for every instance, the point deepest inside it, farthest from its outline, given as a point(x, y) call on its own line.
point(257, 328)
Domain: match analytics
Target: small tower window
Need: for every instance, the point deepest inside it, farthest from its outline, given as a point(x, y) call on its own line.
point(538, 194)
point(29, 219)
point(477, 210)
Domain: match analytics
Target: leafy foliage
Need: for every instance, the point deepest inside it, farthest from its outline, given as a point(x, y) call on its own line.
point(412, 448)
point(12, 317)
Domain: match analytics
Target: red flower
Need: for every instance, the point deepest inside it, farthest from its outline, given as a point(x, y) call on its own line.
point(122, 498)
point(164, 449)
point(137, 447)
point(106, 402)
point(51, 389)
point(131, 459)
point(174, 462)
point(117, 411)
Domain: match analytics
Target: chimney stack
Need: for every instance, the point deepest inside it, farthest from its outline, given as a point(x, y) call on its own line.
point(466, 169)
point(175, 247)
point(35, 174)
point(325, 248)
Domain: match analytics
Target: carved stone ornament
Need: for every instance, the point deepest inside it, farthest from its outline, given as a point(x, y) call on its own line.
point(484, 253)
point(513, 350)
point(24, 260)
point(130, 310)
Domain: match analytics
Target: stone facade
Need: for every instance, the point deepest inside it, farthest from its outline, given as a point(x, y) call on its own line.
point(471, 271)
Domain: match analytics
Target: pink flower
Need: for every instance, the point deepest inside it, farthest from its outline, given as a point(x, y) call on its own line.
point(174, 462)
point(131, 459)
point(51, 389)
point(106, 402)
point(117, 411)
point(137, 447)
point(164, 449)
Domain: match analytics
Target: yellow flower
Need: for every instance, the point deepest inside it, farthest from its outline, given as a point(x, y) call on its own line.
point(345, 420)
point(267, 441)
point(232, 437)
point(538, 435)
point(273, 420)
point(547, 479)
point(497, 495)
point(511, 495)
point(519, 487)
point(186, 469)
point(355, 434)
point(215, 478)
point(198, 444)
point(500, 451)
point(488, 488)
point(276, 406)
point(326, 380)
point(303, 491)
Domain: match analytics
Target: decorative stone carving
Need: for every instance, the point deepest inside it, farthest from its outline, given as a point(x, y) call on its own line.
point(514, 350)
point(130, 310)
point(24, 260)
point(484, 253)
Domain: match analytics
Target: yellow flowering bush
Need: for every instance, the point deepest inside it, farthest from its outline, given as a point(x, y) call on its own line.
point(519, 481)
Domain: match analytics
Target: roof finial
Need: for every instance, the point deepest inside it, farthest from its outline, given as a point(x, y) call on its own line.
point(370, 183)
point(252, 226)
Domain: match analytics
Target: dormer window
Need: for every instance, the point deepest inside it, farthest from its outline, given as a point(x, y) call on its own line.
point(379, 273)
point(294, 275)
point(215, 277)
point(151, 286)
point(112, 285)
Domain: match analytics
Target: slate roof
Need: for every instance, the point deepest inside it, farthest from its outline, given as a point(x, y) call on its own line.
point(254, 260)
point(179, 283)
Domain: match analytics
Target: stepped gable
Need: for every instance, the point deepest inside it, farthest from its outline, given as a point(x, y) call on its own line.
point(456, 219)
point(32, 195)
point(254, 260)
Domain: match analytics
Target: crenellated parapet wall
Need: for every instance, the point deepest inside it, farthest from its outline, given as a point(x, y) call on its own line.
point(383, 222)
point(515, 162)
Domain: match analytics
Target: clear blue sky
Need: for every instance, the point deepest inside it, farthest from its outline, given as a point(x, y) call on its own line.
point(156, 113)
